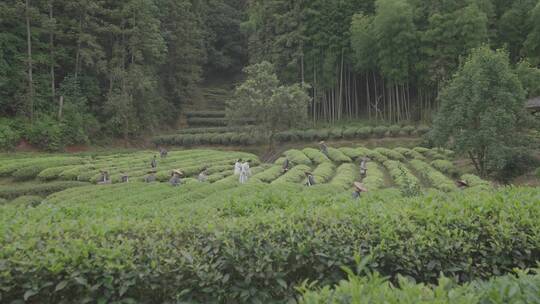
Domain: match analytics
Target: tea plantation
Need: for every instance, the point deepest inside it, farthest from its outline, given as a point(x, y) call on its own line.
point(66, 239)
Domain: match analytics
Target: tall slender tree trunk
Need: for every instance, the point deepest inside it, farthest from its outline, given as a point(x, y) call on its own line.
point(51, 45)
point(78, 51)
point(29, 59)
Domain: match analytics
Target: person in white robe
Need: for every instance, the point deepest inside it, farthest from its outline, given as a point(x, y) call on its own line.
point(238, 167)
point(245, 172)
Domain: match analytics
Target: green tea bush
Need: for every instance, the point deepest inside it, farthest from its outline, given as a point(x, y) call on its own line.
point(380, 131)
point(375, 177)
point(374, 288)
point(444, 166)
point(391, 154)
point(337, 156)
point(32, 170)
point(316, 156)
point(421, 150)
point(364, 132)
point(26, 201)
point(476, 182)
point(244, 254)
point(403, 177)
point(346, 175)
point(435, 178)
point(408, 130)
point(349, 133)
point(411, 154)
point(422, 129)
point(336, 133)
point(394, 130)
point(269, 174)
point(352, 152)
point(324, 172)
point(294, 175)
point(297, 157)
point(538, 172)
point(13, 191)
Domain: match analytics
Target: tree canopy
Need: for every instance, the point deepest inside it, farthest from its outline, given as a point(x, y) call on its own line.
point(481, 110)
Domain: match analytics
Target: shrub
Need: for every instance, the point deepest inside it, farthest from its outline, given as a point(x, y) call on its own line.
point(475, 182)
point(269, 174)
point(391, 154)
point(338, 156)
point(168, 243)
point(349, 133)
point(411, 154)
point(336, 133)
point(380, 131)
point(394, 130)
point(422, 129)
point(346, 175)
point(444, 166)
point(364, 132)
point(297, 157)
point(323, 134)
point(315, 155)
point(13, 191)
point(408, 130)
point(434, 177)
point(324, 172)
point(295, 175)
point(373, 286)
point(375, 177)
point(310, 135)
point(46, 134)
point(538, 172)
point(26, 201)
point(352, 152)
point(8, 137)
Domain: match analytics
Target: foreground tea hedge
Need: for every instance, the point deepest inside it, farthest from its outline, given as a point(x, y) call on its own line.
point(253, 243)
point(373, 288)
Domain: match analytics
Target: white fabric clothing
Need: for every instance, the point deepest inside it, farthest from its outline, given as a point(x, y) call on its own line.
point(245, 173)
point(237, 168)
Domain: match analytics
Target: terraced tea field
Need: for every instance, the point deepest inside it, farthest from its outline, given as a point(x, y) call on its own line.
point(47, 174)
point(66, 239)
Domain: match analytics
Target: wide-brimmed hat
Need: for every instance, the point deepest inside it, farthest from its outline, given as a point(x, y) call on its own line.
point(321, 142)
point(360, 186)
point(308, 173)
point(463, 183)
point(178, 171)
point(104, 171)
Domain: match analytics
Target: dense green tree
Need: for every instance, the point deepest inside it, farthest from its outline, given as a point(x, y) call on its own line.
point(272, 106)
point(532, 44)
point(481, 109)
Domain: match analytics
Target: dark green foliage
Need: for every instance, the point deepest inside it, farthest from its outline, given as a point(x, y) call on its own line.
point(9, 137)
point(13, 191)
point(380, 131)
point(519, 288)
point(481, 111)
point(463, 235)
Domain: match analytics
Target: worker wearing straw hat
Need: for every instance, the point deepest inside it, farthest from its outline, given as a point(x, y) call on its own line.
point(310, 179)
point(104, 178)
point(151, 177)
point(358, 189)
point(323, 147)
point(175, 180)
point(153, 163)
point(462, 184)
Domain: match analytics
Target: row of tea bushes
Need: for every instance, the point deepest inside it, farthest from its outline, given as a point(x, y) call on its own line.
point(243, 136)
point(374, 288)
point(10, 192)
point(435, 178)
point(259, 251)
